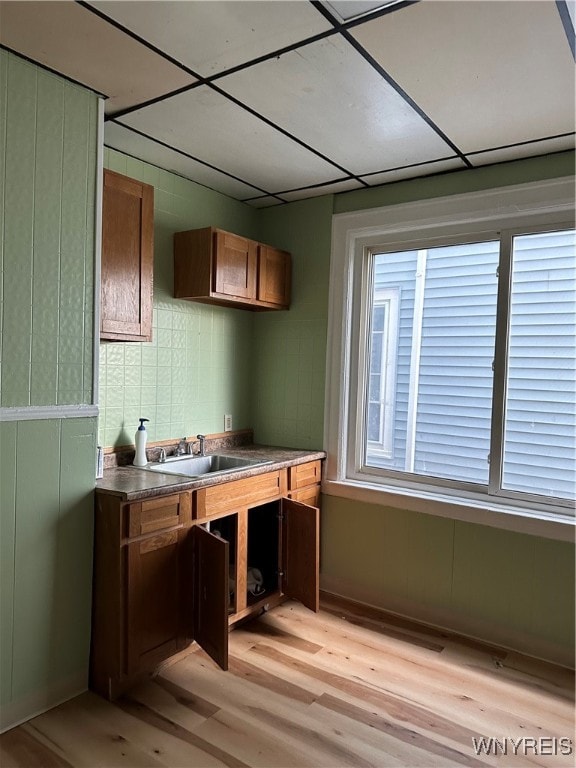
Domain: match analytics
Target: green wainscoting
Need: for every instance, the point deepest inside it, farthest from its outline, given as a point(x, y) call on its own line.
point(48, 148)
point(503, 587)
point(46, 498)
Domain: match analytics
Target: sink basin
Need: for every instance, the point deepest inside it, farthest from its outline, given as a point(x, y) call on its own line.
point(196, 466)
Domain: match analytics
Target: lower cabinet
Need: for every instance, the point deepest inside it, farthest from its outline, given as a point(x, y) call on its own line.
point(163, 577)
point(155, 577)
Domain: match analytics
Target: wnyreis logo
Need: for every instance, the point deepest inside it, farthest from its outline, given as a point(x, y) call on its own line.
point(524, 745)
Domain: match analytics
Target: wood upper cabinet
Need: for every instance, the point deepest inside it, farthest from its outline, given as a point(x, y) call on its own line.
point(234, 266)
point(218, 267)
point(127, 259)
point(274, 276)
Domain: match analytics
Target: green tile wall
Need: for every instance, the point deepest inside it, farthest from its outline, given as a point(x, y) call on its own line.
point(200, 361)
point(47, 202)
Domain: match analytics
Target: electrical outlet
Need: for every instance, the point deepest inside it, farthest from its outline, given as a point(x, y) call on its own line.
point(227, 422)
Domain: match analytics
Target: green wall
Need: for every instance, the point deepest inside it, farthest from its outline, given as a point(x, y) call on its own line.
point(289, 372)
point(47, 196)
point(48, 146)
point(199, 363)
point(497, 585)
point(508, 588)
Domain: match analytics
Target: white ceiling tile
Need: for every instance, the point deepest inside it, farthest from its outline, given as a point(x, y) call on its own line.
point(76, 43)
point(425, 169)
point(328, 189)
point(523, 150)
point(487, 73)
point(351, 9)
point(210, 37)
point(208, 126)
point(125, 140)
point(328, 96)
point(267, 201)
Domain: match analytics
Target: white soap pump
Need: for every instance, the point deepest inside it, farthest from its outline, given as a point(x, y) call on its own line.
point(140, 459)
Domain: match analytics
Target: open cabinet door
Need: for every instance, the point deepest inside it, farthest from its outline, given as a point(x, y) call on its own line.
point(301, 552)
point(211, 594)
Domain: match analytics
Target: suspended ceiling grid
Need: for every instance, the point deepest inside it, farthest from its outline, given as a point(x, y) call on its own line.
point(270, 101)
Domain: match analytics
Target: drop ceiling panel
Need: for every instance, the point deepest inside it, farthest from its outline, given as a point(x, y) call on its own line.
point(328, 189)
point(505, 154)
point(426, 169)
point(488, 74)
point(125, 140)
point(208, 126)
point(267, 201)
point(210, 37)
point(74, 42)
point(330, 97)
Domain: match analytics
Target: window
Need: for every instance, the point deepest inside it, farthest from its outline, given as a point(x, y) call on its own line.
point(539, 428)
point(457, 353)
point(380, 401)
point(442, 359)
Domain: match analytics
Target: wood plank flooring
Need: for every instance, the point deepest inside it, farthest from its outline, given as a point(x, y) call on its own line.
point(341, 688)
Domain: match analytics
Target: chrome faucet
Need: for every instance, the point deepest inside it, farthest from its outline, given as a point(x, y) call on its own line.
point(182, 448)
point(162, 457)
point(202, 449)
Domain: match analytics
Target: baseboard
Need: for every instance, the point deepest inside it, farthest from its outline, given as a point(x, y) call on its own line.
point(504, 640)
point(20, 710)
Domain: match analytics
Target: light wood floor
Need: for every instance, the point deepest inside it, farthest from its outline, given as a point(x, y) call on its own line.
point(336, 689)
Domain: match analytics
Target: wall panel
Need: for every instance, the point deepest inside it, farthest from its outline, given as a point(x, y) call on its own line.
point(48, 237)
point(48, 132)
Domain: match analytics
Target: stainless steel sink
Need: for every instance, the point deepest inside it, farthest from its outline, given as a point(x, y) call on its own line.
point(196, 466)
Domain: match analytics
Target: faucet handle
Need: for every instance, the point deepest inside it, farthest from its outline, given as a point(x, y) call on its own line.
point(162, 457)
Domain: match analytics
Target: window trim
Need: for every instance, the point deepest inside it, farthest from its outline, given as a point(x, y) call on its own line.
point(389, 298)
point(476, 214)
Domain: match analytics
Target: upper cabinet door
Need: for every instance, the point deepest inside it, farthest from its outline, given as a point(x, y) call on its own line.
point(127, 259)
point(274, 271)
point(211, 593)
point(301, 552)
point(234, 266)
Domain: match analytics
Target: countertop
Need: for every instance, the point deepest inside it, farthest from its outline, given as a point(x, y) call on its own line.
point(132, 483)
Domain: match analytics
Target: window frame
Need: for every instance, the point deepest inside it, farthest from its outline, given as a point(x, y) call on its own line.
point(490, 214)
point(389, 298)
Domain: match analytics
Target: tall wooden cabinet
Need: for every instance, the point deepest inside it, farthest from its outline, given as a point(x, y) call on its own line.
point(218, 267)
point(177, 568)
point(127, 259)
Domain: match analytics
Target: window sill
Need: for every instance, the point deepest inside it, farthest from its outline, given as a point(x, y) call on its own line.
point(532, 522)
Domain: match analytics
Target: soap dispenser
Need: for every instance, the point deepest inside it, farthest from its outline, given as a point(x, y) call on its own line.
point(140, 459)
